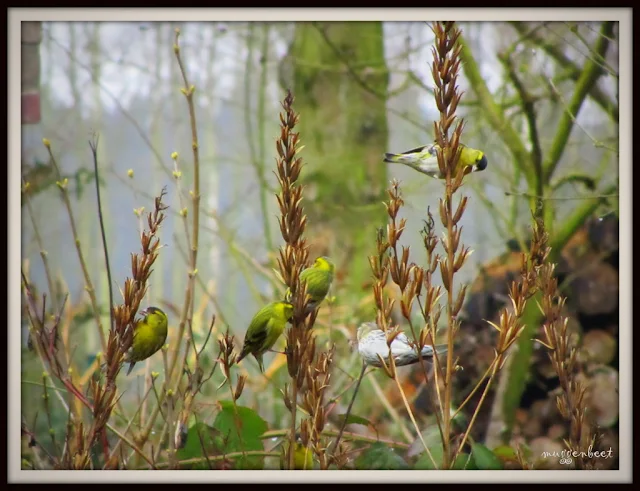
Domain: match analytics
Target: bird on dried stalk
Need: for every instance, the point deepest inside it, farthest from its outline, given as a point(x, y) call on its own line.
point(318, 279)
point(265, 329)
point(372, 341)
point(149, 335)
point(425, 159)
point(303, 456)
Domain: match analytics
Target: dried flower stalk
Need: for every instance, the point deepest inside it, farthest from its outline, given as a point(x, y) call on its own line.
point(409, 278)
point(509, 326)
point(121, 336)
point(318, 377)
point(294, 257)
point(572, 402)
point(102, 393)
point(445, 68)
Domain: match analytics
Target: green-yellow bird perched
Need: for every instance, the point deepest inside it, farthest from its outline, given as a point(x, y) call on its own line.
point(425, 159)
point(302, 459)
point(265, 329)
point(318, 278)
point(149, 336)
point(372, 341)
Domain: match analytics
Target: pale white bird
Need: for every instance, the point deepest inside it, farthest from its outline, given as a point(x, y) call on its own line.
point(372, 341)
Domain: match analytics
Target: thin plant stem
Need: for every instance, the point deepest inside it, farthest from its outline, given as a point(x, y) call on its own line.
point(47, 408)
point(94, 152)
point(43, 252)
point(413, 420)
point(130, 422)
point(70, 414)
point(216, 458)
point(332, 433)
point(292, 435)
point(129, 442)
point(93, 144)
point(476, 412)
point(223, 232)
point(425, 371)
point(85, 271)
point(346, 416)
point(392, 412)
point(187, 311)
point(237, 417)
point(187, 308)
point(475, 389)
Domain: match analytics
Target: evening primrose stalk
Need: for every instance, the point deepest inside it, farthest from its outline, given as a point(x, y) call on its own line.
point(187, 310)
point(188, 306)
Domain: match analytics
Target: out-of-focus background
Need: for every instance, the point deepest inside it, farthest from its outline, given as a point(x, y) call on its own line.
point(533, 92)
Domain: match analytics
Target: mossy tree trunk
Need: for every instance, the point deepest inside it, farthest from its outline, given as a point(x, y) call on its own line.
point(340, 82)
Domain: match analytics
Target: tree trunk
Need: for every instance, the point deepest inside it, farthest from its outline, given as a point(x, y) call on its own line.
point(340, 81)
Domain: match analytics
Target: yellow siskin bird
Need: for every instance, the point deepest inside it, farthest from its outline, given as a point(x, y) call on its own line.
point(265, 329)
point(372, 341)
point(318, 278)
point(149, 336)
point(425, 159)
point(302, 459)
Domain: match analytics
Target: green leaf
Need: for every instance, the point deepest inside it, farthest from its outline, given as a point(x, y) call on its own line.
point(505, 453)
point(198, 436)
point(484, 458)
point(463, 461)
point(424, 461)
point(460, 420)
point(241, 433)
point(352, 419)
point(432, 439)
point(380, 457)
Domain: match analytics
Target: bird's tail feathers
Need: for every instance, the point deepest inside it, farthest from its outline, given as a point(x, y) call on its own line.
point(440, 349)
point(260, 362)
point(392, 158)
point(130, 367)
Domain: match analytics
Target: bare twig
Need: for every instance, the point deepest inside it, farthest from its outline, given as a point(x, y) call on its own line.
point(62, 185)
point(346, 416)
point(94, 152)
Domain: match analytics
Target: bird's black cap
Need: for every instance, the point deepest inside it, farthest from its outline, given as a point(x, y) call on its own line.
point(149, 310)
point(482, 163)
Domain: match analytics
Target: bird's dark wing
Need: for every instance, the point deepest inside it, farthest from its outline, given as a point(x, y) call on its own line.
point(415, 150)
point(257, 338)
point(252, 340)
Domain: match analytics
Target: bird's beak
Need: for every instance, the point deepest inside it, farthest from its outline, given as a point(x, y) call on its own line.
point(144, 312)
